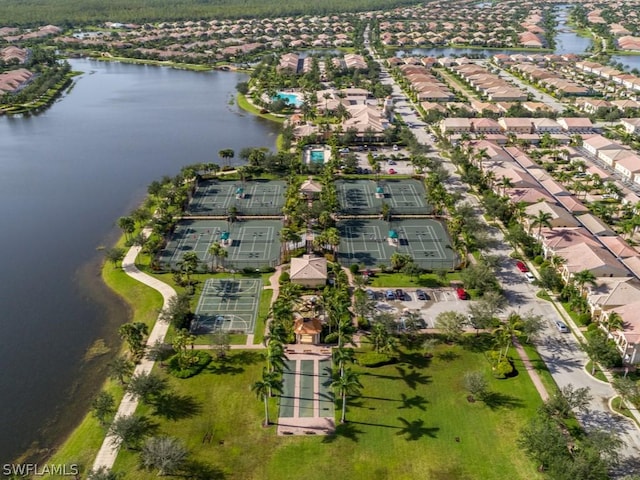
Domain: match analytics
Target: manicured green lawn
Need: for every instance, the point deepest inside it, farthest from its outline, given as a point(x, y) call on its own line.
point(412, 420)
point(400, 280)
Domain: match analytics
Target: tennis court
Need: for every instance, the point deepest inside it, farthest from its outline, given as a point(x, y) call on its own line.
point(251, 243)
point(366, 242)
point(227, 304)
point(366, 197)
point(256, 197)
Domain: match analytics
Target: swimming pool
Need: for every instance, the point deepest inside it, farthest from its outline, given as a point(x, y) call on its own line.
point(292, 98)
point(317, 156)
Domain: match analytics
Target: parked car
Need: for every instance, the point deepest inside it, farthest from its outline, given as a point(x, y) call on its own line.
point(421, 295)
point(562, 327)
point(390, 162)
point(530, 277)
point(371, 295)
point(389, 295)
point(344, 150)
point(462, 293)
point(399, 294)
point(391, 171)
point(521, 266)
point(395, 148)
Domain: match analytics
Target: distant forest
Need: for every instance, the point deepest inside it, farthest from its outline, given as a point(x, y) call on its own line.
point(78, 12)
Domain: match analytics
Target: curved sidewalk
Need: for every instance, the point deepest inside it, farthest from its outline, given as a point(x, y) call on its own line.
point(109, 450)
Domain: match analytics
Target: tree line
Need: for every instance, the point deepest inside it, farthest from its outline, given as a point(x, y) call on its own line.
point(68, 13)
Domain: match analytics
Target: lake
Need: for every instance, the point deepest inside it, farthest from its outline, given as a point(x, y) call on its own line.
point(66, 176)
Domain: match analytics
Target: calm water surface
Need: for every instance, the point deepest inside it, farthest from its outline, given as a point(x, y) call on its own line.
point(65, 177)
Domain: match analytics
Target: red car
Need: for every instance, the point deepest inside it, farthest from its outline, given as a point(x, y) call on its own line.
point(462, 293)
point(392, 171)
point(522, 267)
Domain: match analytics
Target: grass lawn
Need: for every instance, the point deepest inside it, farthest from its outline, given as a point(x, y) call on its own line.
point(400, 280)
point(244, 104)
point(412, 420)
point(598, 373)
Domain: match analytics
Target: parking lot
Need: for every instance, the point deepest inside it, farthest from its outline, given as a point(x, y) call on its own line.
point(439, 300)
point(383, 155)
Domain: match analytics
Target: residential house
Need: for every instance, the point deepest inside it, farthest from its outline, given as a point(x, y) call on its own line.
point(593, 258)
point(559, 217)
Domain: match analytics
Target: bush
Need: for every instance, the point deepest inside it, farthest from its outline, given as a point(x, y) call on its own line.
point(267, 269)
point(503, 369)
point(284, 278)
point(375, 359)
point(584, 319)
point(538, 259)
point(363, 323)
point(201, 360)
point(354, 268)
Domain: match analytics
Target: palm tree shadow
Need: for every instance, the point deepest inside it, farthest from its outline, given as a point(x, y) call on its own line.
point(174, 406)
point(415, 430)
point(447, 356)
point(417, 401)
point(495, 400)
point(196, 470)
point(413, 378)
point(347, 430)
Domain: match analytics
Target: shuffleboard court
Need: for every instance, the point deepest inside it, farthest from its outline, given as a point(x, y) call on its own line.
point(366, 242)
point(227, 305)
point(250, 198)
point(366, 197)
point(249, 243)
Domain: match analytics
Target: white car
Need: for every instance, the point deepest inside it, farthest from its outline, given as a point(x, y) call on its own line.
point(530, 277)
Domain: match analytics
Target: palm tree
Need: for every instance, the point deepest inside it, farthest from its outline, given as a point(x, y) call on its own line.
point(346, 384)
point(264, 388)
point(128, 225)
point(583, 277)
point(189, 264)
point(505, 182)
point(332, 236)
point(506, 333)
point(226, 154)
point(341, 356)
point(614, 322)
point(542, 219)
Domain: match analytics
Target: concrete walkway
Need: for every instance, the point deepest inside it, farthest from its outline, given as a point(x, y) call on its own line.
point(109, 450)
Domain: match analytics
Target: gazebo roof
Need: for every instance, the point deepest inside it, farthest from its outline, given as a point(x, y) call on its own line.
point(379, 190)
point(224, 236)
point(393, 234)
point(239, 190)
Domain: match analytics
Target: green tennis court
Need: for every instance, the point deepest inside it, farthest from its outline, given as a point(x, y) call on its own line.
point(366, 197)
point(367, 242)
point(228, 305)
point(251, 243)
point(250, 198)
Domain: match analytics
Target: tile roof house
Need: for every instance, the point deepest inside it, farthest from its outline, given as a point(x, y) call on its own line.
point(309, 271)
point(554, 240)
point(559, 216)
point(628, 339)
point(596, 259)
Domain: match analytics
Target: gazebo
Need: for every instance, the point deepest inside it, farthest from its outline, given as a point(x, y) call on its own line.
point(225, 239)
point(393, 237)
point(379, 192)
point(307, 330)
point(239, 192)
